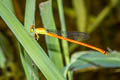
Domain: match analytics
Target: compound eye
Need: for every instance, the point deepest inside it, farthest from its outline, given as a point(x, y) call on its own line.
point(32, 28)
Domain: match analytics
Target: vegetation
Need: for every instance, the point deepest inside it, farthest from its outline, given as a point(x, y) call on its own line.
point(24, 58)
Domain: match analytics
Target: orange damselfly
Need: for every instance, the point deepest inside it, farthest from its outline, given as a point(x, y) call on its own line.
point(52, 34)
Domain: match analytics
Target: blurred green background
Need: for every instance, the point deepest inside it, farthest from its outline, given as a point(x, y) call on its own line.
point(99, 18)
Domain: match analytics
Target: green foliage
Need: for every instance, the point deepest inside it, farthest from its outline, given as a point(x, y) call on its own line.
point(52, 43)
point(86, 59)
point(2, 59)
point(84, 18)
point(34, 58)
point(30, 45)
point(31, 72)
point(81, 13)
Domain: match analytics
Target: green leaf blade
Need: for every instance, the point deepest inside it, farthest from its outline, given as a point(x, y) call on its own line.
point(52, 43)
point(31, 46)
point(87, 59)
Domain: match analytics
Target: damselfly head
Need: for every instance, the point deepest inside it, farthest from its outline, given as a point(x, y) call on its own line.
point(32, 28)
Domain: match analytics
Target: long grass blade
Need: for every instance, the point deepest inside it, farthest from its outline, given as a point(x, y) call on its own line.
point(29, 14)
point(102, 15)
point(52, 43)
point(31, 72)
point(31, 46)
point(63, 28)
point(27, 64)
point(9, 4)
point(86, 59)
point(81, 14)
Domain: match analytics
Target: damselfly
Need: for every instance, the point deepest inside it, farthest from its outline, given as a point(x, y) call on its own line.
point(58, 34)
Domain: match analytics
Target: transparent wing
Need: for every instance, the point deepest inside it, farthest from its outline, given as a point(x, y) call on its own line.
point(71, 34)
